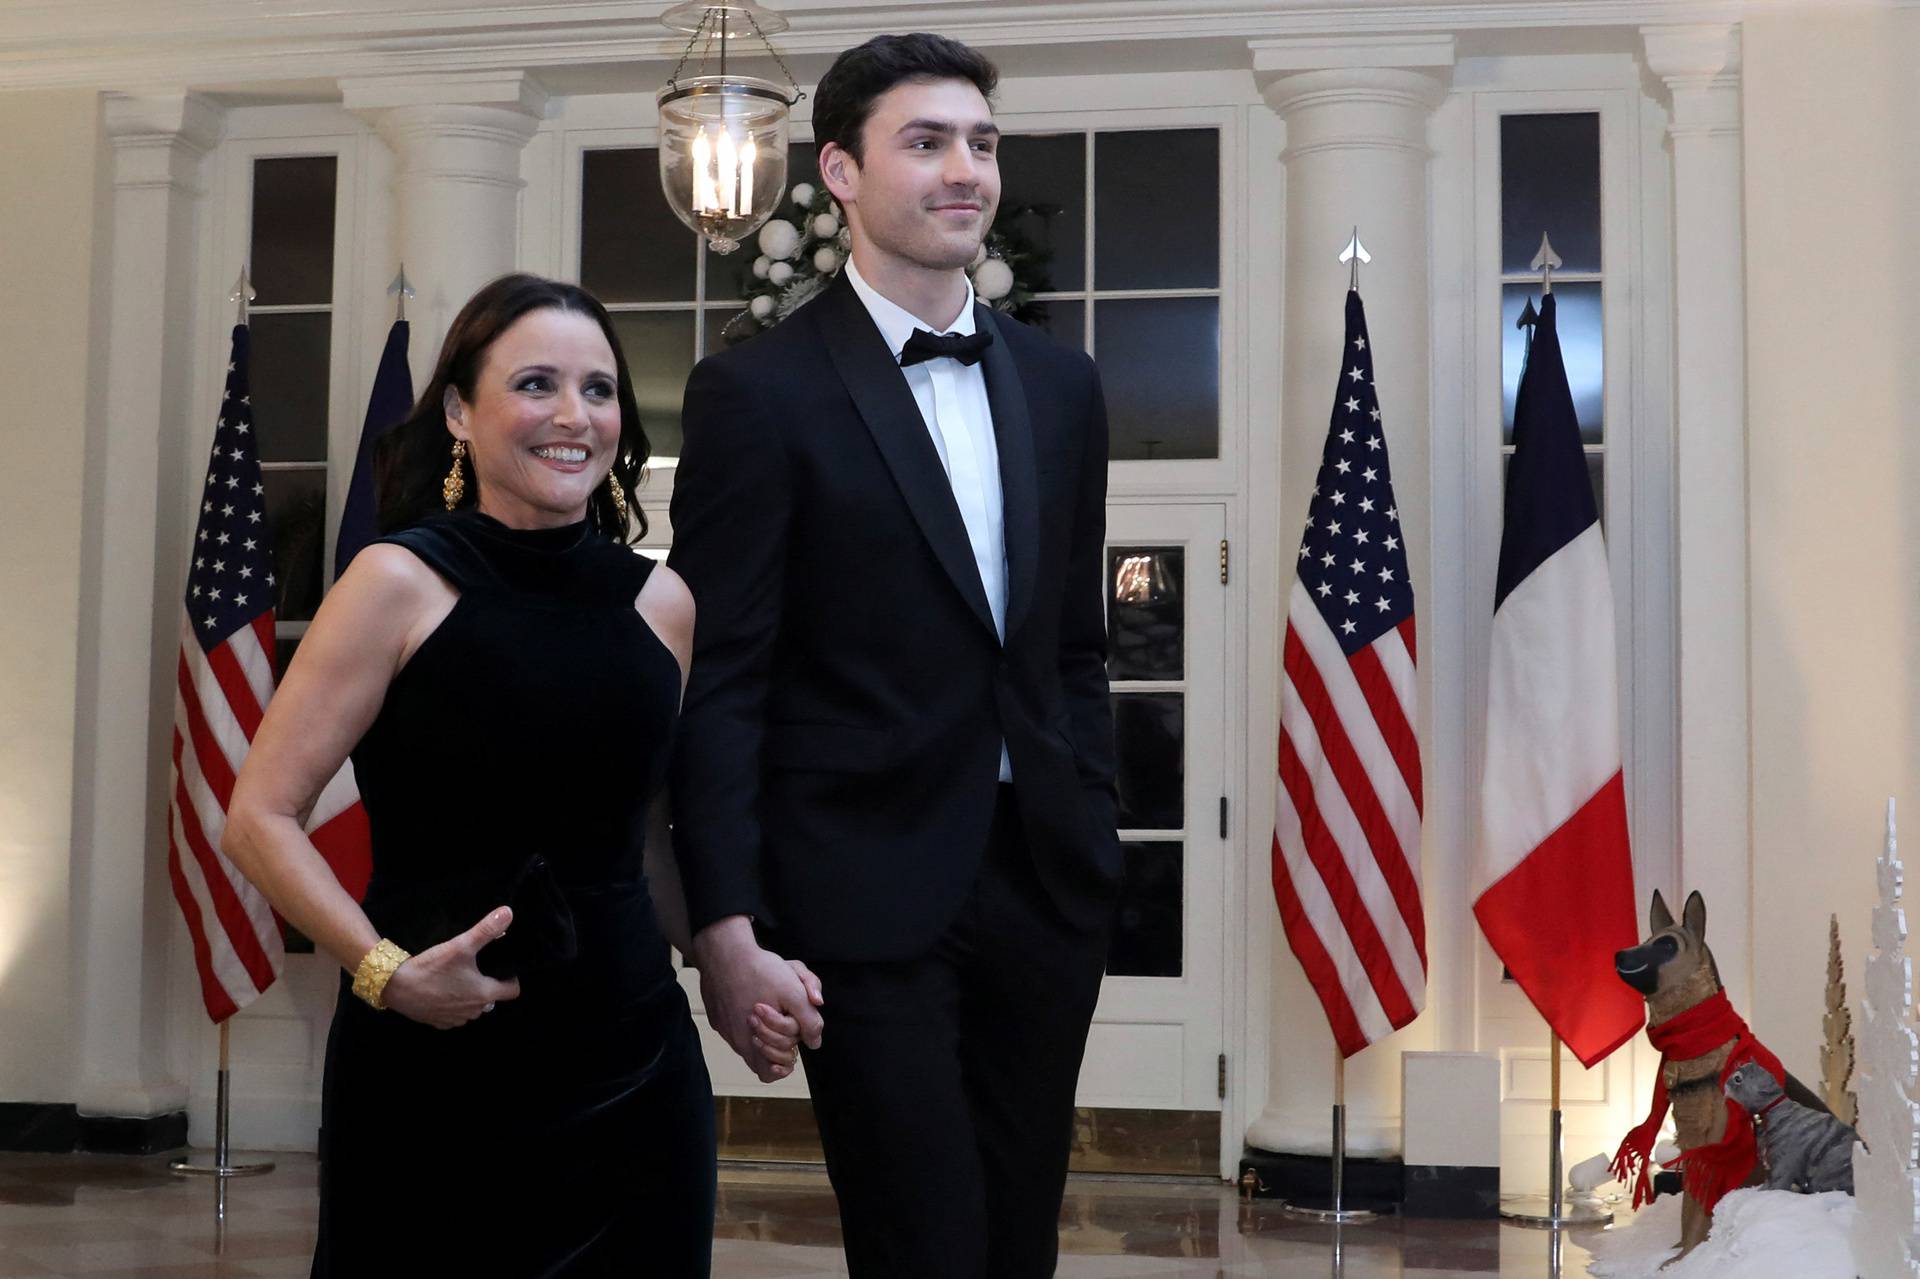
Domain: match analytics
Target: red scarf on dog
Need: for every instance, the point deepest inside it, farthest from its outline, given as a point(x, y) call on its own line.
point(1708, 1172)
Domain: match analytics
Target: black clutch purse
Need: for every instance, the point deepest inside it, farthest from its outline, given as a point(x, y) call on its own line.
point(542, 934)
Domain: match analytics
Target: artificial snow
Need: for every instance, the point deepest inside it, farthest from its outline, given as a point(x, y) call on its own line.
point(1757, 1234)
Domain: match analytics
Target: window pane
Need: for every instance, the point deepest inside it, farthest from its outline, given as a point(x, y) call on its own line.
point(283, 650)
point(729, 275)
point(1149, 731)
point(659, 350)
point(288, 379)
point(632, 247)
point(1156, 209)
point(293, 230)
point(1160, 364)
point(1065, 319)
point(1145, 626)
point(1550, 183)
point(1147, 930)
point(713, 327)
point(1043, 203)
point(1577, 319)
point(297, 517)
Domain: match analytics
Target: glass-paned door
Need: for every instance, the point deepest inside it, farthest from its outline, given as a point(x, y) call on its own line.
point(1157, 1031)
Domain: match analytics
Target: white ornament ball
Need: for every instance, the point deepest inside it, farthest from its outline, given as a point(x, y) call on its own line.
point(779, 273)
point(761, 307)
point(979, 255)
point(826, 259)
point(803, 194)
point(778, 239)
point(993, 280)
point(826, 226)
point(760, 265)
point(834, 209)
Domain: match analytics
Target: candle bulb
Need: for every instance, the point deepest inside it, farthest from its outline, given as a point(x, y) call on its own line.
point(748, 153)
point(729, 171)
point(703, 200)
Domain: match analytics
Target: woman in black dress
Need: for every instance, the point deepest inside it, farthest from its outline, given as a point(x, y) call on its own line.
point(514, 1101)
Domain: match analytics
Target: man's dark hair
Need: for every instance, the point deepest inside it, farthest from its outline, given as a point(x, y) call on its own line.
point(843, 101)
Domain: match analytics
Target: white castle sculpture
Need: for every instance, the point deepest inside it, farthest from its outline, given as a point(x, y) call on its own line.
point(1886, 1176)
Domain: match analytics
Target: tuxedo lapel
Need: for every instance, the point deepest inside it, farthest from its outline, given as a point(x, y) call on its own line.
point(1019, 489)
point(887, 406)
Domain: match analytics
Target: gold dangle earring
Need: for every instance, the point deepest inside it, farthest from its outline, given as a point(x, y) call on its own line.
point(619, 494)
point(454, 487)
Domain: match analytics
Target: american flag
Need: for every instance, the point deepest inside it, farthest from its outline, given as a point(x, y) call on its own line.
point(224, 679)
point(223, 683)
point(1346, 845)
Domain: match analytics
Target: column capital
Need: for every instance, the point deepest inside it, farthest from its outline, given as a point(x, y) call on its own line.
point(465, 127)
point(1380, 89)
point(1699, 63)
point(1334, 53)
point(159, 138)
point(513, 91)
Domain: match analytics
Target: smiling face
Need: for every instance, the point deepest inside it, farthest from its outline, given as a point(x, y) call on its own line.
point(926, 186)
point(543, 426)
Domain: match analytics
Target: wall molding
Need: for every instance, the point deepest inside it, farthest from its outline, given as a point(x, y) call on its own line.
point(152, 43)
point(45, 1127)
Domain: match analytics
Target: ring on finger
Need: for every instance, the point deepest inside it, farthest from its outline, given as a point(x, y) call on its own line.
point(487, 1007)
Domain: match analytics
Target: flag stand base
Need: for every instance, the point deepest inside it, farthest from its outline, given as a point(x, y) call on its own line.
point(222, 1165)
point(1552, 1210)
point(1333, 1210)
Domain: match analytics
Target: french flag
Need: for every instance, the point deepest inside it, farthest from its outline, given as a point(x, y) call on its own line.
point(1554, 875)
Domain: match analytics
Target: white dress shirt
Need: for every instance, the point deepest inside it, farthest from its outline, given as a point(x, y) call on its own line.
point(953, 403)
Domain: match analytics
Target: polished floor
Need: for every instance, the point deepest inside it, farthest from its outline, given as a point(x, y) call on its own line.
point(99, 1215)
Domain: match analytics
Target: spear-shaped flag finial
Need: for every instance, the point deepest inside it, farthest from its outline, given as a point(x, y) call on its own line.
point(1546, 262)
point(243, 293)
point(401, 291)
point(1355, 253)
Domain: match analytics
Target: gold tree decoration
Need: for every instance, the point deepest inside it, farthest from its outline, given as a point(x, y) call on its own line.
point(1836, 1053)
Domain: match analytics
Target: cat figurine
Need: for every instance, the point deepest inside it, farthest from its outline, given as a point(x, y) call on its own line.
point(1806, 1150)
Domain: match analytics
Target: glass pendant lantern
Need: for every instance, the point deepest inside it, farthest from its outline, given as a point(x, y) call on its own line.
point(723, 136)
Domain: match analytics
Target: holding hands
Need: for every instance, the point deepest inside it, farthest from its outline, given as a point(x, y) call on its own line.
point(764, 1006)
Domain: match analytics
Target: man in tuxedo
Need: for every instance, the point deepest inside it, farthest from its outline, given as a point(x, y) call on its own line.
point(895, 760)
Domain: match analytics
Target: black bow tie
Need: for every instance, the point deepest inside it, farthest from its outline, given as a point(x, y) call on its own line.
point(964, 347)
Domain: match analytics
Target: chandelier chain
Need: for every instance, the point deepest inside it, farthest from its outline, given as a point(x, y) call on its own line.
point(710, 30)
point(674, 79)
point(792, 82)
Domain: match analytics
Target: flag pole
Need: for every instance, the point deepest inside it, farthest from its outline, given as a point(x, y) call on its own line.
point(1334, 1210)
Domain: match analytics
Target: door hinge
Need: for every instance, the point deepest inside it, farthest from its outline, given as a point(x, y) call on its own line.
point(1223, 561)
point(1223, 1076)
point(1223, 817)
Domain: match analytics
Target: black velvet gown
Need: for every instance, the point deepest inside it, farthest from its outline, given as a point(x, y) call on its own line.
point(569, 1132)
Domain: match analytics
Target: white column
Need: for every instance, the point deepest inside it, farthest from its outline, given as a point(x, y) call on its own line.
point(456, 140)
point(131, 579)
point(1700, 66)
point(1356, 113)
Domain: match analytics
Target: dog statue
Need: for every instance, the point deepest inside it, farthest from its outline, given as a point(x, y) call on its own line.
point(1702, 1041)
point(1806, 1150)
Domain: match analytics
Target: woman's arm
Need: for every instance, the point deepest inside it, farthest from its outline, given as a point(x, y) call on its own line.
point(370, 623)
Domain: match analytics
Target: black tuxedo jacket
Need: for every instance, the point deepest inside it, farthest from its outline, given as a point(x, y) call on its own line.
point(839, 746)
